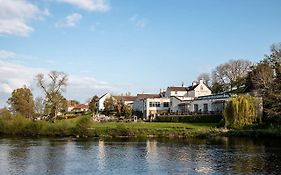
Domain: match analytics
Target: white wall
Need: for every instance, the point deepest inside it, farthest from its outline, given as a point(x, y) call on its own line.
point(101, 101)
point(202, 90)
point(170, 93)
point(153, 110)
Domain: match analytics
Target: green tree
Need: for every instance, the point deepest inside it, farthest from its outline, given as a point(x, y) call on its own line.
point(53, 88)
point(127, 111)
point(93, 104)
point(21, 102)
point(240, 111)
point(109, 106)
point(266, 80)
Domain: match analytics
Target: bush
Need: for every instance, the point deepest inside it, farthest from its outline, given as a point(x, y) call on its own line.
point(240, 111)
point(190, 118)
point(82, 126)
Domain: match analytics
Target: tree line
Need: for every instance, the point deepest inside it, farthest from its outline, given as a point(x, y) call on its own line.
point(261, 79)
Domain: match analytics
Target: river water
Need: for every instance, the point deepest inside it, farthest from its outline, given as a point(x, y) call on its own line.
point(153, 156)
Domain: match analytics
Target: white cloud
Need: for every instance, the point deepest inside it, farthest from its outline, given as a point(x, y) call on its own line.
point(70, 20)
point(15, 16)
point(14, 75)
point(140, 23)
point(6, 54)
point(90, 5)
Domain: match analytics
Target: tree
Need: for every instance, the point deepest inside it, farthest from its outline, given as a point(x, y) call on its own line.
point(119, 107)
point(240, 111)
point(127, 111)
point(39, 105)
point(109, 106)
point(93, 104)
point(52, 90)
point(231, 74)
point(266, 78)
point(262, 77)
point(22, 102)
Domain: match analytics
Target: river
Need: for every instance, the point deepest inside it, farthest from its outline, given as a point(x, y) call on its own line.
point(132, 156)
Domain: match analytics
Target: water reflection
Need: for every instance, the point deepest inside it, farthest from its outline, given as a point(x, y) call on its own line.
point(190, 156)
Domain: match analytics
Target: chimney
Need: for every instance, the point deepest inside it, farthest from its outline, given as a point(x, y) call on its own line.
point(194, 83)
point(182, 84)
point(201, 81)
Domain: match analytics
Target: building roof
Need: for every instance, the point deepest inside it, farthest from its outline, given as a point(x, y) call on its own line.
point(179, 88)
point(191, 88)
point(103, 95)
point(125, 98)
point(144, 96)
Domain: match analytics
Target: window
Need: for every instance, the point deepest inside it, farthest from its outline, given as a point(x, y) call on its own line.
point(176, 92)
point(166, 104)
point(195, 107)
point(154, 104)
point(206, 108)
point(157, 104)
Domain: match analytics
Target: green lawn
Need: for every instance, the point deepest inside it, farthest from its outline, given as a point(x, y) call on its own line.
point(154, 125)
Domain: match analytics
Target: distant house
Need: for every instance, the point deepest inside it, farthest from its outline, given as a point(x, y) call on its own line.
point(128, 100)
point(196, 90)
point(78, 108)
point(151, 105)
point(176, 99)
point(102, 100)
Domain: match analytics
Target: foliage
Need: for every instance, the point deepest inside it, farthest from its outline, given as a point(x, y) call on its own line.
point(127, 111)
point(265, 78)
point(93, 104)
point(190, 118)
point(53, 91)
point(82, 126)
point(109, 106)
point(22, 102)
point(240, 111)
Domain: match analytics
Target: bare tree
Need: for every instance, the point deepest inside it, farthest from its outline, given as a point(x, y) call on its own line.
point(39, 105)
point(205, 77)
point(53, 89)
point(231, 74)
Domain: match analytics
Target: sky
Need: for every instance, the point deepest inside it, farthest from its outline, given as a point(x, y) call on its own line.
point(137, 46)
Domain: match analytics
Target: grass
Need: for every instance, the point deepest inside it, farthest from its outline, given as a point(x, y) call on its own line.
point(84, 127)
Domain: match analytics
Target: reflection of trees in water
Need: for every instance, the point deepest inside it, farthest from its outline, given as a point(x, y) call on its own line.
point(55, 157)
point(18, 155)
point(238, 155)
point(272, 156)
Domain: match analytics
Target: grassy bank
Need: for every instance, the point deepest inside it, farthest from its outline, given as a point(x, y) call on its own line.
point(83, 126)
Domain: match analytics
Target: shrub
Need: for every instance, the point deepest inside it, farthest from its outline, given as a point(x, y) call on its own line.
point(240, 111)
point(190, 118)
point(82, 126)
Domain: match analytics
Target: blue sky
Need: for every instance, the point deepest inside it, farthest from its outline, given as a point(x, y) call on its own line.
point(125, 45)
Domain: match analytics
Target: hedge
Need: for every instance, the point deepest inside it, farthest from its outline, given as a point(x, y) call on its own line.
point(190, 118)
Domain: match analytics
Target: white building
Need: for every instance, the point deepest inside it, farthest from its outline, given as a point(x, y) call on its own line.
point(174, 100)
point(127, 100)
point(101, 101)
point(151, 105)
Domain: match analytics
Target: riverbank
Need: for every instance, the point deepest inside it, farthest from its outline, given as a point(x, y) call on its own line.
point(85, 127)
